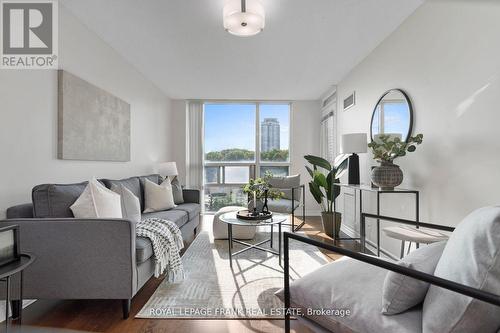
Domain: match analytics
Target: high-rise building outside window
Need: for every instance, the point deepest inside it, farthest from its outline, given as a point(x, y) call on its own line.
point(270, 134)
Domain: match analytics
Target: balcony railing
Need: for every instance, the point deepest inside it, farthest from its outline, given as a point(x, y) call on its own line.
point(223, 181)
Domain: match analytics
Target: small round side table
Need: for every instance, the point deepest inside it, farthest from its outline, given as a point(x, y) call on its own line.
point(412, 235)
point(6, 272)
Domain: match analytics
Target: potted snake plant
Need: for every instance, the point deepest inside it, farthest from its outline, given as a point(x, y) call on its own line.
point(324, 176)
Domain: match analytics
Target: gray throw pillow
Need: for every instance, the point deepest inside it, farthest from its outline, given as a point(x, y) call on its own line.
point(471, 257)
point(177, 191)
point(131, 207)
point(401, 292)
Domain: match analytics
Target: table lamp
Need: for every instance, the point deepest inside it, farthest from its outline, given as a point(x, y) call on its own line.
point(354, 143)
point(167, 169)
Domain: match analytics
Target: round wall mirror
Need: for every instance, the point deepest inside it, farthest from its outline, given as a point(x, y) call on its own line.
point(393, 115)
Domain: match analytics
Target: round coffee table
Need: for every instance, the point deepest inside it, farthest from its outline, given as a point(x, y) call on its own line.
point(230, 219)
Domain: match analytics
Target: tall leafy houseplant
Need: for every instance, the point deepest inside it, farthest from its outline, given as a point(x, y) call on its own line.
point(324, 176)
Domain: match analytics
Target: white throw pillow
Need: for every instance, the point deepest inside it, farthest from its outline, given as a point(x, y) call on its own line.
point(131, 207)
point(158, 197)
point(97, 201)
point(401, 292)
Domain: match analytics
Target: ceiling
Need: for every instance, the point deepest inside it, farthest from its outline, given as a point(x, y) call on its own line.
point(180, 45)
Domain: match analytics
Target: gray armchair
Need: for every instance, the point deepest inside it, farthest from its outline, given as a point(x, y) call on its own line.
point(293, 199)
point(448, 288)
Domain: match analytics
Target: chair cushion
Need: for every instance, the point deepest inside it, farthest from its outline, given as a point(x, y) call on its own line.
point(55, 200)
point(402, 292)
point(286, 184)
point(179, 217)
point(192, 209)
point(352, 285)
point(282, 205)
point(143, 249)
point(471, 257)
point(131, 184)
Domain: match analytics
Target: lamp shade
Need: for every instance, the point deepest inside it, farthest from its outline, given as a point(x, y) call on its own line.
point(168, 169)
point(354, 143)
point(244, 18)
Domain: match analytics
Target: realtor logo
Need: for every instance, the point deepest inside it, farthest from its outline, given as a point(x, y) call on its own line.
point(29, 34)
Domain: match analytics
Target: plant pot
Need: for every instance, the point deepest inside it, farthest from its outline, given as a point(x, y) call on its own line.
point(387, 176)
point(331, 225)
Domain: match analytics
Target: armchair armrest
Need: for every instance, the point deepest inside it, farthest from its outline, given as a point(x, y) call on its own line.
point(440, 282)
point(78, 258)
point(191, 195)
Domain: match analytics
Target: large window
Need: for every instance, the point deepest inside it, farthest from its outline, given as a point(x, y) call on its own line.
point(243, 141)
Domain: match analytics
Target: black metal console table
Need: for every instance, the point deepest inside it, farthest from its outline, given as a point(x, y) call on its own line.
point(6, 272)
point(369, 188)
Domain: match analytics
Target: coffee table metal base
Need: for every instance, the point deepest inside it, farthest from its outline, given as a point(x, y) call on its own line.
point(253, 246)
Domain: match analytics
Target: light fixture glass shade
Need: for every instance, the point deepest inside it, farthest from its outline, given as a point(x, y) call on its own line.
point(247, 23)
point(354, 143)
point(168, 169)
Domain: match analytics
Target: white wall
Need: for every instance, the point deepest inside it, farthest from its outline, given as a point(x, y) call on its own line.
point(447, 57)
point(304, 140)
point(305, 122)
point(28, 117)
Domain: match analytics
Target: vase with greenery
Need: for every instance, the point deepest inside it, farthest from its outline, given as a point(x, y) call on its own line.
point(324, 176)
point(386, 148)
point(256, 190)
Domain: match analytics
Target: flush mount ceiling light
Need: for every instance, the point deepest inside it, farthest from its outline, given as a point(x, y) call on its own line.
point(244, 17)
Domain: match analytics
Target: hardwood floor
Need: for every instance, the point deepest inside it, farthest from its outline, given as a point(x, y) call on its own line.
point(106, 315)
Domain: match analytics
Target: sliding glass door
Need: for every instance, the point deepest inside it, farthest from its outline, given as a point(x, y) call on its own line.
point(242, 141)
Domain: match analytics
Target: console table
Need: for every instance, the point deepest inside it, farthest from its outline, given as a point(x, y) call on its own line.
point(368, 188)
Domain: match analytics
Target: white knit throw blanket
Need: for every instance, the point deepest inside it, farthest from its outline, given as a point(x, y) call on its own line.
point(166, 239)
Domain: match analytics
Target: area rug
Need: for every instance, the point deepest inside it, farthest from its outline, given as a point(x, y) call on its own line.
point(212, 290)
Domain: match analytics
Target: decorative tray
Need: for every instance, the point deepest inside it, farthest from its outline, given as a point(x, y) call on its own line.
point(251, 216)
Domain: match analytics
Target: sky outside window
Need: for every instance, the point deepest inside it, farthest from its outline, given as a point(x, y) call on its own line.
point(229, 126)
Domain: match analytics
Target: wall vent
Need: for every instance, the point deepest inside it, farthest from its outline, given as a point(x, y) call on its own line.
point(350, 101)
point(329, 99)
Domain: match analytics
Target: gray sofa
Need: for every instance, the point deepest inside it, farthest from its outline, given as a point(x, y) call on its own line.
point(89, 258)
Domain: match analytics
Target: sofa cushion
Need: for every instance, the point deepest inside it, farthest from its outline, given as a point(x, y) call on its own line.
point(131, 206)
point(402, 292)
point(55, 200)
point(470, 257)
point(158, 198)
point(348, 284)
point(97, 201)
point(177, 191)
point(179, 217)
point(143, 249)
point(155, 178)
point(282, 205)
point(131, 184)
point(192, 209)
